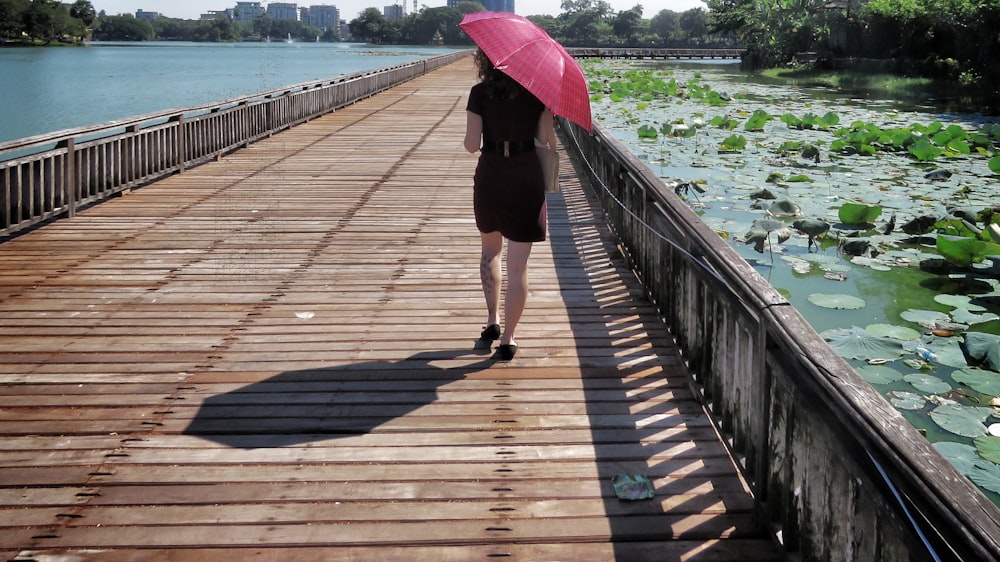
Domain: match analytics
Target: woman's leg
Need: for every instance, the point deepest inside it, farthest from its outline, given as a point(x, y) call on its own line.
point(517, 288)
point(490, 274)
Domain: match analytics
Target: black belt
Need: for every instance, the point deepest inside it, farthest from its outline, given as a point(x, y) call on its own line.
point(509, 148)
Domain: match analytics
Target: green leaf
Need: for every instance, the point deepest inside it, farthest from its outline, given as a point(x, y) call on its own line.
point(983, 382)
point(966, 421)
point(995, 164)
point(858, 213)
point(928, 384)
point(963, 251)
point(924, 151)
point(989, 447)
point(647, 132)
point(844, 302)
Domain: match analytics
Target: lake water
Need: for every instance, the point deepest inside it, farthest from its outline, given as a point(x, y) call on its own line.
point(48, 89)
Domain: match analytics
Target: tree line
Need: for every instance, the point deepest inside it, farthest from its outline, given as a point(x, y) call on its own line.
point(951, 39)
point(590, 23)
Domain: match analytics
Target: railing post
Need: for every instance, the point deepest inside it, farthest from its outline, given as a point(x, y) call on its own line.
point(181, 142)
point(69, 173)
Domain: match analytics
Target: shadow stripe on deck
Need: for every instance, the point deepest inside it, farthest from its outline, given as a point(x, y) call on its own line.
point(274, 355)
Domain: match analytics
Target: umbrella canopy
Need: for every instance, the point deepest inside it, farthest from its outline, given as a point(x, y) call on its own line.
point(526, 53)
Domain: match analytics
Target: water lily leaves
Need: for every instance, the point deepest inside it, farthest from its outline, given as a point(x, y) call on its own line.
point(994, 164)
point(925, 317)
point(834, 300)
point(983, 382)
point(927, 383)
point(966, 421)
point(879, 374)
point(963, 251)
point(982, 349)
point(647, 132)
point(959, 301)
point(938, 175)
point(892, 331)
point(784, 208)
point(924, 151)
point(906, 400)
point(761, 229)
point(989, 448)
point(919, 225)
point(967, 460)
point(734, 143)
point(858, 213)
point(856, 343)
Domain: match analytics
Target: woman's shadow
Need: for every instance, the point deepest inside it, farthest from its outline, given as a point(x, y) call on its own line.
point(309, 405)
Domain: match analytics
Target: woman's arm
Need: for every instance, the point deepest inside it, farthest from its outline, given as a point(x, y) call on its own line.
point(546, 132)
point(473, 131)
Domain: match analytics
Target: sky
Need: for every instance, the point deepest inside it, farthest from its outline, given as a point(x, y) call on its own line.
point(349, 9)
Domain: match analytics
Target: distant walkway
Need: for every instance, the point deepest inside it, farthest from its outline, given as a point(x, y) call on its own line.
point(274, 357)
point(655, 53)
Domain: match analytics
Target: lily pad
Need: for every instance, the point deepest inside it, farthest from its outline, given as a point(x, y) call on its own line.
point(835, 300)
point(856, 343)
point(879, 374)
point(989, 447)
point(966, 421)
point(927, 383)
point(983, 382)
point(925, 317)
point(893, 331)
point(967, 460)
point(963, 302)
point(907, 400)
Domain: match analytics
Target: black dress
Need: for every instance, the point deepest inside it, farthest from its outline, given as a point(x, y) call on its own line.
point(509, 191)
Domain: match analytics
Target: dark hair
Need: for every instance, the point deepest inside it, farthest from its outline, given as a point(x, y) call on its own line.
point(498, 84)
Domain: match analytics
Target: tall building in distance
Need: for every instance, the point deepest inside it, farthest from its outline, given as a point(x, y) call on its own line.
point(394, 12)
point(490, 5)
point(283, 11)
point(323, 16)
point(247, 11)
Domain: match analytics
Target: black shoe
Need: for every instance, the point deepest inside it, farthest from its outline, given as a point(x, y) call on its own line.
point(492, 332)
point(506, 351)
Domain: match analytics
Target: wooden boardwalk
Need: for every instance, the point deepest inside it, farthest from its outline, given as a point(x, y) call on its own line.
point(274, 357)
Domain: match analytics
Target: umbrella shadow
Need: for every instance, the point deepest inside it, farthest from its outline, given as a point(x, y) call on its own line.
point(310, 405)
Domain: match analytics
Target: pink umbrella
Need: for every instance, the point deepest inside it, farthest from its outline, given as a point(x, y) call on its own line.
point(526, 53)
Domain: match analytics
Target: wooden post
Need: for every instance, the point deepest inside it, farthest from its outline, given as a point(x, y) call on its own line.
point(69, 173)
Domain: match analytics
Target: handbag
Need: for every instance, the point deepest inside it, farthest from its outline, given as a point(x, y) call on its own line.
point(549, 158)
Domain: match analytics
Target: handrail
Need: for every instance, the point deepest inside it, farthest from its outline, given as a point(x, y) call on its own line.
point(836, 470)
point(55, 174)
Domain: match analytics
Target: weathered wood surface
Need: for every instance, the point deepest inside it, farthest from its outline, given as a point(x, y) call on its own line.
point(273, 356)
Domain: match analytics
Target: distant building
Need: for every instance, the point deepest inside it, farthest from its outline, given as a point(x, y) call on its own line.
point(212, 14)
point(323, 16)
point(394, 12)
point(283, 11)
point(144, 15)
point(490, 5)
point(247, 11)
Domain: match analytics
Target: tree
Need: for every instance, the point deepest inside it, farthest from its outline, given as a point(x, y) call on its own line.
point(12, 18)
point(370, 25)
point(627, 23)
point(122, 28)
point(693, 22)
point(49, 19)
point(666, 25)
point(83, 10)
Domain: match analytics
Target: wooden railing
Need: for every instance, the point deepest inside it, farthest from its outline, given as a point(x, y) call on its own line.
point(837, 471)
point(53, 175)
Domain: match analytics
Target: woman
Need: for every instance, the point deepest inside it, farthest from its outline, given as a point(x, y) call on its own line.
point(504, 119)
